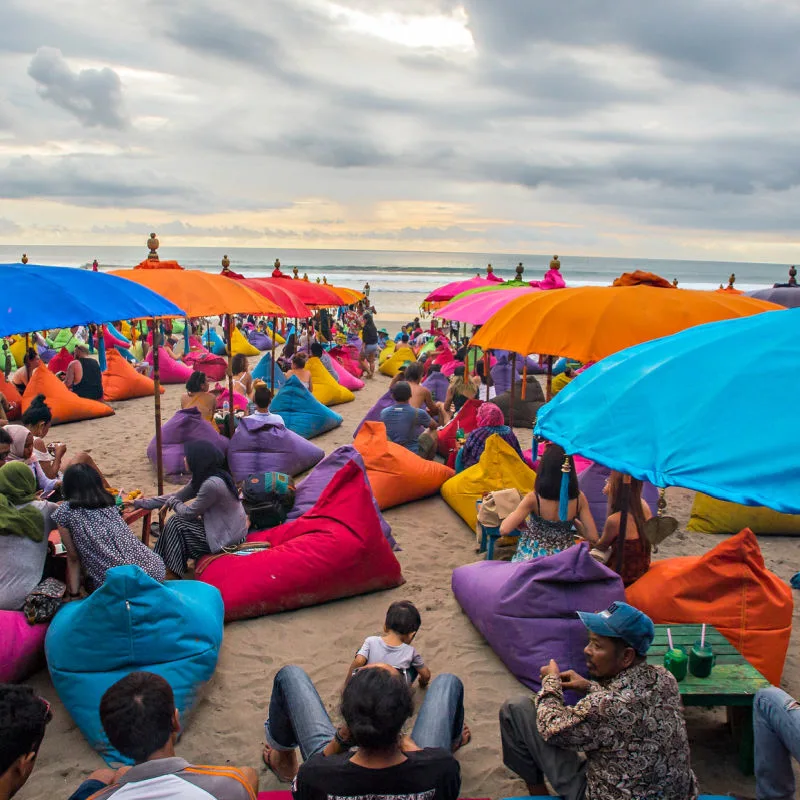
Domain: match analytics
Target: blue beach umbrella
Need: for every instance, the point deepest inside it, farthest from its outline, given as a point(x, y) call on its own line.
point(712, 408)
point(34, 298)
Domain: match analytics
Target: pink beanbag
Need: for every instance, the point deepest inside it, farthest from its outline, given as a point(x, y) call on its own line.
point(239, 400)
point(346, 379)
point(169, 370)
point(21, 647)
point(214, 367)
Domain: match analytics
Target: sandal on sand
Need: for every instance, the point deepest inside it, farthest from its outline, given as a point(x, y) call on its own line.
point(266, 757)
point(466, 738)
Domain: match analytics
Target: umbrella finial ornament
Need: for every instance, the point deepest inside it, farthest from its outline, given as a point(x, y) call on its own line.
point(226, 263)
point(305, 277)
point(276, 272)
point(24, 258)
point(555, 263)
point(675, 282)
point(318, 280)
point(295, 272)
point(519, 271)
point(489, 269)
point(325, 279)
point(792, 276)
point(731, 280)
point(153, 244)
point(721, 286)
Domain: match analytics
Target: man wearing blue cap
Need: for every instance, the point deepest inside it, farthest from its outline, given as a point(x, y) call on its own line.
point(625, 739)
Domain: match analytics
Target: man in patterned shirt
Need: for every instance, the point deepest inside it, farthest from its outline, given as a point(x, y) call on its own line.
point(626, 738)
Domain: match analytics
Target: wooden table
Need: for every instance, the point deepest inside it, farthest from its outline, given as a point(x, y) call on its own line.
point(733, 682)
point(139, 514)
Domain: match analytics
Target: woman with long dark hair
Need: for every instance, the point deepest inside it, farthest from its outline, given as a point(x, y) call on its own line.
point(369, 346)
point(637, 550)
point(544, 532)
point(30, 362)
point(199, 396)
point(215, 519)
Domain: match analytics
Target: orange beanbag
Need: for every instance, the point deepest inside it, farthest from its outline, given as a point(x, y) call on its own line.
point(397, 475)
point(65, 405)
point(730, 588)
point(11, 393)
point(121, 381)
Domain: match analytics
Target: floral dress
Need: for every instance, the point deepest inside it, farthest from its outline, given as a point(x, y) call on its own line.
point(543, 537)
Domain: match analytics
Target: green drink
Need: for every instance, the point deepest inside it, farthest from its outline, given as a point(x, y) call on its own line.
point(701, 660)
point(677, 662)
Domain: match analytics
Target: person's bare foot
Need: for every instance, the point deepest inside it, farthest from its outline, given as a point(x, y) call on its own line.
point(281, 763)
point(466, 738)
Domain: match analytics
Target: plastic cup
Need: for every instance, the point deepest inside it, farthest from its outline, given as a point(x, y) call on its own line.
point(701, 660)
point(677, 662)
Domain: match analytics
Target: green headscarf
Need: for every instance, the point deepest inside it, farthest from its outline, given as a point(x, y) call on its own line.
point(18, 486)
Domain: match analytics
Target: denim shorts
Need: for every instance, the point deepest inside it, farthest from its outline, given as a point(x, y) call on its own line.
point(370, 349)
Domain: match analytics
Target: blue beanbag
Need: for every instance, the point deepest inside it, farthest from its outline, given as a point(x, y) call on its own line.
point(263, 372)
point(114, 332)
point(302, 412)
point(133, 623)
point(217, 346)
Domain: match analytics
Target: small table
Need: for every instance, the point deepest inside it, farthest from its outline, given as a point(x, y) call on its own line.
point(139, 514)
point(733, 682)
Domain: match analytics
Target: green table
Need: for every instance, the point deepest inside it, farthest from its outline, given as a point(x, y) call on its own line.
point(733, 682)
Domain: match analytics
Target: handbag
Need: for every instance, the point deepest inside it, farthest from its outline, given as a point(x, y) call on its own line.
point(44, 601)
point(494, 508)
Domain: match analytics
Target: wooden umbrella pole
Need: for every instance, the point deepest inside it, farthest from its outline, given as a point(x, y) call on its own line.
point(549, 378)
point(513, 382)
point(229, 327)
point(157, 404)
point(272, 365)
point(623, 522)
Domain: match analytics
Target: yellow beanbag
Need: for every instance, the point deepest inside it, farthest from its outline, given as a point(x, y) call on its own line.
point(17, 349)
point(328, 391)
point(392, 364)
point(239, 344)
point(65, 405)
point(386, 353)
point(125, 329)
point(276, 336)
point(718, 516)
point(499, 468)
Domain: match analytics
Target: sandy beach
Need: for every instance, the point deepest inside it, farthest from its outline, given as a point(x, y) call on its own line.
point(227, 724)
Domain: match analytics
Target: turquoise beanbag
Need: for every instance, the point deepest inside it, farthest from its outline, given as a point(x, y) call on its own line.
point(133, 623)
point(263, 372)
point(302, 412)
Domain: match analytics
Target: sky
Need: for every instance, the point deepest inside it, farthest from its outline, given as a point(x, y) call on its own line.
point(593, 127)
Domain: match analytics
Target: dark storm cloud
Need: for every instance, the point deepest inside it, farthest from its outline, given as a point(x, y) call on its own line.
point(93, 96)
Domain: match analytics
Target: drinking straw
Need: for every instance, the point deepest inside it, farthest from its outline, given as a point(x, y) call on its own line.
point(669, 638)
point(703, 636)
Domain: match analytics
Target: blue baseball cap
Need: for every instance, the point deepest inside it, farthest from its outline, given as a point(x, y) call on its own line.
point(621, 621)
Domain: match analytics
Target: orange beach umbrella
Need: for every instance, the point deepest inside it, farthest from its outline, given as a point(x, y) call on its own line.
point(591, 322)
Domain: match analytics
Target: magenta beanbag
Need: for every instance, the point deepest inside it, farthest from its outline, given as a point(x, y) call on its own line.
point(21, 647)
point(259, 446)
point(347, 379)
point(186, 425)
point(169, 370)
point(214, 367)
point(526, 610)
point(336, 549)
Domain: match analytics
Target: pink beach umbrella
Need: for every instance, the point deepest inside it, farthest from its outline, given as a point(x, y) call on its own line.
point(475, 309)
point(450, 290)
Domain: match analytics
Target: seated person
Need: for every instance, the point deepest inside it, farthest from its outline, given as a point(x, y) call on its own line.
point(776, 727)
point(25, 525)
point(198, 396)
point(629, 725)
point(637, 550)
point(84, 376)
point(37, 419)
point(299, 369)
point(139, 717)
point(262, 397)
point(394, 647)
point(403, 422)
point(561, 381)
point(375, 705)
point(484, 383)
point(318, 351)
point(94, 534)
point(242, 379)
point(490, 421)
point(460, 390)
point(21, 377)
point(22, 450)
point(420, 396)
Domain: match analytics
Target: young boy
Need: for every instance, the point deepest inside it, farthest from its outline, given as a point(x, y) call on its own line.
point(394, 647)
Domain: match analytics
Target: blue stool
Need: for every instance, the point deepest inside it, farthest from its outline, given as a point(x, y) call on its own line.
point(489, 537)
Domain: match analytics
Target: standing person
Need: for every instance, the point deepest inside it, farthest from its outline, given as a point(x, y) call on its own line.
point(629, 725)
point(776, 727)
point(544, 533)
point(84, 376)
point(369, 346)
point(94, 534)
point(300, 372)
point(403, 422)
point(637, 550)
point(375, 705)
point(215, 519)
point(366, 289)
point(139, 717)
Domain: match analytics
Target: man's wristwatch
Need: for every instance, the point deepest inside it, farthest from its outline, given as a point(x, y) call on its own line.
point(345, 744)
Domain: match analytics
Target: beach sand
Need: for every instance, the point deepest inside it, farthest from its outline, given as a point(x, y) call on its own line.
point(227, 724)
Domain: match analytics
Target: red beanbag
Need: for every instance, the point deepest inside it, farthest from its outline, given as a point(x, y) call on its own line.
point(466, 419)
point(337, 549)
point(60, 361)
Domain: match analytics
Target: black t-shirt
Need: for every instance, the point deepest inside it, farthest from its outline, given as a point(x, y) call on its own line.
point(430, 774)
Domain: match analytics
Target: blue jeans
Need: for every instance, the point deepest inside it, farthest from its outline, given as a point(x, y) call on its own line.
point(297, 715)
point(776, 728)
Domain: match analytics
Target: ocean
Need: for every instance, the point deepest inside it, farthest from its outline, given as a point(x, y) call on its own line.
point(400, 280)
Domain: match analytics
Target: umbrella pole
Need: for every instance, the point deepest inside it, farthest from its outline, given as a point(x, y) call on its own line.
point(549, 378)
point(513, 381)
point(272, 359)
point(623, 523)
point(208, 335)
point(229, 421)
point(157, 404)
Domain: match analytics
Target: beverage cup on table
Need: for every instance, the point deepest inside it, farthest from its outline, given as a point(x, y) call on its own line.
point(701, 660)
point(676, 661)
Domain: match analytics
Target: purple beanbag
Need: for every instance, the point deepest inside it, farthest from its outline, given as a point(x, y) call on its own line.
point(187, 425)
point(311, 487)
point(21, 647)
point(259, 340)
point(374, 414)
point(591, 482)
point(259, 446)
point(438, 385)
point(533, 366)
point(501, 374)
point(526, 611)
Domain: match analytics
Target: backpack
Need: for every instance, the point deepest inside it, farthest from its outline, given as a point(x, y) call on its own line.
point(268, 497)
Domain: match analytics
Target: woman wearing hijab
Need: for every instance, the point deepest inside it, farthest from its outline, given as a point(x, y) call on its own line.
point(22, 450)
point(215, 519)
point(24, 528)
point(490, 421)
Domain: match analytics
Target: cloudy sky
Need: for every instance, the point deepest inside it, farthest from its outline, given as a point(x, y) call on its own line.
point(667, 128)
